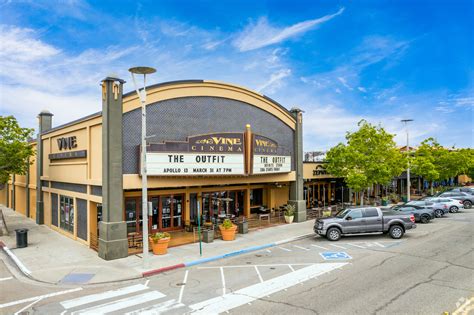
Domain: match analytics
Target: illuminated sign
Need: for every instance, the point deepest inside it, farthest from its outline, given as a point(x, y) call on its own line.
point(268, 157)
point(211, 154)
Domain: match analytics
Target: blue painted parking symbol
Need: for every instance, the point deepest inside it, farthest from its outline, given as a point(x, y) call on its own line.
point(335, 255)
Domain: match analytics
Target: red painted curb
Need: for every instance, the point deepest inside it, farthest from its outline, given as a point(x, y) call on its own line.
point(2, 244)
point(160, 270)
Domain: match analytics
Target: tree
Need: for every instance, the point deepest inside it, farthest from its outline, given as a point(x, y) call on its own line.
point(369, 157)
point(15, 150)
point(426, 160)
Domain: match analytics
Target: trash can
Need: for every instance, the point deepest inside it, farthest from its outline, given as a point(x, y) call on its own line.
point(21, 238)
point(207, 235)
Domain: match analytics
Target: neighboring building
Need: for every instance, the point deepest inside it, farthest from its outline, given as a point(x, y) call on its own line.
point(226, 147)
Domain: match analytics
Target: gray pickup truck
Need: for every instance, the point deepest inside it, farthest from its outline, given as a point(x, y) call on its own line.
point(364, 220)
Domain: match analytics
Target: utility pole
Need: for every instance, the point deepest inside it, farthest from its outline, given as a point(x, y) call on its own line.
point(406, 121)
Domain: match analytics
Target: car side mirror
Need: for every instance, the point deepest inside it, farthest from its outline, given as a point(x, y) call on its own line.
point(348, 218)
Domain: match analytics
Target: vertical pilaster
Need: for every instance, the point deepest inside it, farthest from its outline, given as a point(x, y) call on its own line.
point(296, 187)
point(27, 190)
point(13, 192)
point(113, 242)
point(45, 122)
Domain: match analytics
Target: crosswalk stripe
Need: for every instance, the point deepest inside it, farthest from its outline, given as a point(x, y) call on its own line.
point(7, 278)
point(320, 247)
point(121, 304)
point(338, 246)
point(31, 299)
point(102, 296)
point(158, 308)
point(356, 245)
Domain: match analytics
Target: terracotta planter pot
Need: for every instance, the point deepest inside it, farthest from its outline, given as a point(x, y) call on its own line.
point(160, 247)
point(289, 219)
point(228, 234)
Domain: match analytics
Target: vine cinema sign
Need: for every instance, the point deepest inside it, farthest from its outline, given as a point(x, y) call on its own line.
point(216, 154)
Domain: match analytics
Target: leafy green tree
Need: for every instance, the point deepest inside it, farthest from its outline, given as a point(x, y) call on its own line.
point(15, 150)
point(369, 157)
point(426, 160)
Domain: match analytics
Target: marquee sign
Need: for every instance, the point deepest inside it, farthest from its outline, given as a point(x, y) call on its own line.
point(268, 157)
point(211, 154)
point(67, 143)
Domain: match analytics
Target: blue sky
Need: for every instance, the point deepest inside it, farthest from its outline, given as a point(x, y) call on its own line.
point(382, 61)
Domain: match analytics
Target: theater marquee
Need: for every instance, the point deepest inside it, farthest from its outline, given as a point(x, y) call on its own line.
point(211, 154)
point(268, 157)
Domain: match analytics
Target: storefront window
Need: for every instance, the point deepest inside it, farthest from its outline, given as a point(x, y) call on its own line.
point(131, 215)
point(256, 197)
point(67, 214)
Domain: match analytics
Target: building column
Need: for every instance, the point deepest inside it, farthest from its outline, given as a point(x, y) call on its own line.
point(113, 242)
point(45, 119)
point(13, 192)
point(27, 210)
point(247, 202)
point(296, 187)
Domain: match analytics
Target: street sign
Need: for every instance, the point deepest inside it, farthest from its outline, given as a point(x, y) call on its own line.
point(335, 255)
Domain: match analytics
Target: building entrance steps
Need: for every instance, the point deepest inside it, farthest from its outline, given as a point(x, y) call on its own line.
point(56, 258)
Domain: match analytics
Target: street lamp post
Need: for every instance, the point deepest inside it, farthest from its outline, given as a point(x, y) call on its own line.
point(142, 96)
point(406, 121)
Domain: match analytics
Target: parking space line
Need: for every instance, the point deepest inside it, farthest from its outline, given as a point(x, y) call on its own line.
point(268, 251)
point(28, 306)
point(5, 279)
point(338, 246)
point(378, 244)
point(356, 245)
point(258, 273)
point(223, 281)
point(285, 249)
point(38, 297)
point(300, 247)
point(182, 287)
point(320, 247)
point(291, 267)
point(251, 266)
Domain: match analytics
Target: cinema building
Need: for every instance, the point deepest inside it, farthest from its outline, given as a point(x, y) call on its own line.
point(231, 149)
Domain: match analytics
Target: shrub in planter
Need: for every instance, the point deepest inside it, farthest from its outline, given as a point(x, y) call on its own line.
point(289, 213)
point(159, 242)
point(228, 230)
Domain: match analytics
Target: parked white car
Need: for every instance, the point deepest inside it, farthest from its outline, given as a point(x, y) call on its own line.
point(453, 205)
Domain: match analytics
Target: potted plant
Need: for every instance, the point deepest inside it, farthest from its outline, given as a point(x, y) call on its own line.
point(228, 230)
point(159, 242)
point(289, 213)
point(384, 201)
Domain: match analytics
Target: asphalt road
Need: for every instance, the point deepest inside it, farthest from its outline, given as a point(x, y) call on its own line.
point(429, 271)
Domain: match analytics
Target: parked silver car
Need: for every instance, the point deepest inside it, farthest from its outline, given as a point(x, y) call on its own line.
point(438, 208)
point(467, 199)
point(453, 205)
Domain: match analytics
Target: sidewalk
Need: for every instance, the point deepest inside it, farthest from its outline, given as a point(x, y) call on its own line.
point(54, 258)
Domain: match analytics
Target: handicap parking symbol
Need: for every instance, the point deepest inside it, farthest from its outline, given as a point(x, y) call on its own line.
point(335, 255)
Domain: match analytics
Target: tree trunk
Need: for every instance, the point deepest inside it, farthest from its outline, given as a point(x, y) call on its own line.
point(362, 198)
point(431, 188)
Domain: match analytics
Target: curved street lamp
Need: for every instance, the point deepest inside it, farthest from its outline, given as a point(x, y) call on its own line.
point(142, 96)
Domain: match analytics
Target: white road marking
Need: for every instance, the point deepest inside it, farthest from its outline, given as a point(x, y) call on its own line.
point(5, 279)
point(223, 281)
point(158, 308)
point(29, 305)
point(121, 304)
point(291, 267)
point(31, 299)
point(269, 251)
point(338, 246)
point(378, 244)
point(285, 249)
point(301, 247)
point(146, 282)
point(249, 294)
point(320, 247)
point(182, 287)
point(251, 266)
point(102, 296)
point(63, 312)
point(352, 244)
point(258, 273)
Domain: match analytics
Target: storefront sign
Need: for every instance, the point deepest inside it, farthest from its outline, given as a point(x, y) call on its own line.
point(67, 143)
point(68, 155)
point(211, 154)
point(268, 157)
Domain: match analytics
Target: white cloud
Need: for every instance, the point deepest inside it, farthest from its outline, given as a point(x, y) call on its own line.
point(262, 34)
point(362, 89)
point(444, 109)
point(274, 81)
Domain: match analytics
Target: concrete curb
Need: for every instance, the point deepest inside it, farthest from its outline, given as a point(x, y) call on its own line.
point(223, 256)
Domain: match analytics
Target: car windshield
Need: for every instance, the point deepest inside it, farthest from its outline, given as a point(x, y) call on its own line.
point(342, 213)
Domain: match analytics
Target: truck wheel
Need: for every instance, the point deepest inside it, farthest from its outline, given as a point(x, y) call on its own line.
point(467, 204)
point(396, 232)
point(424, 219)
point(453, 209)
point(438, 213)
point(333, 234)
